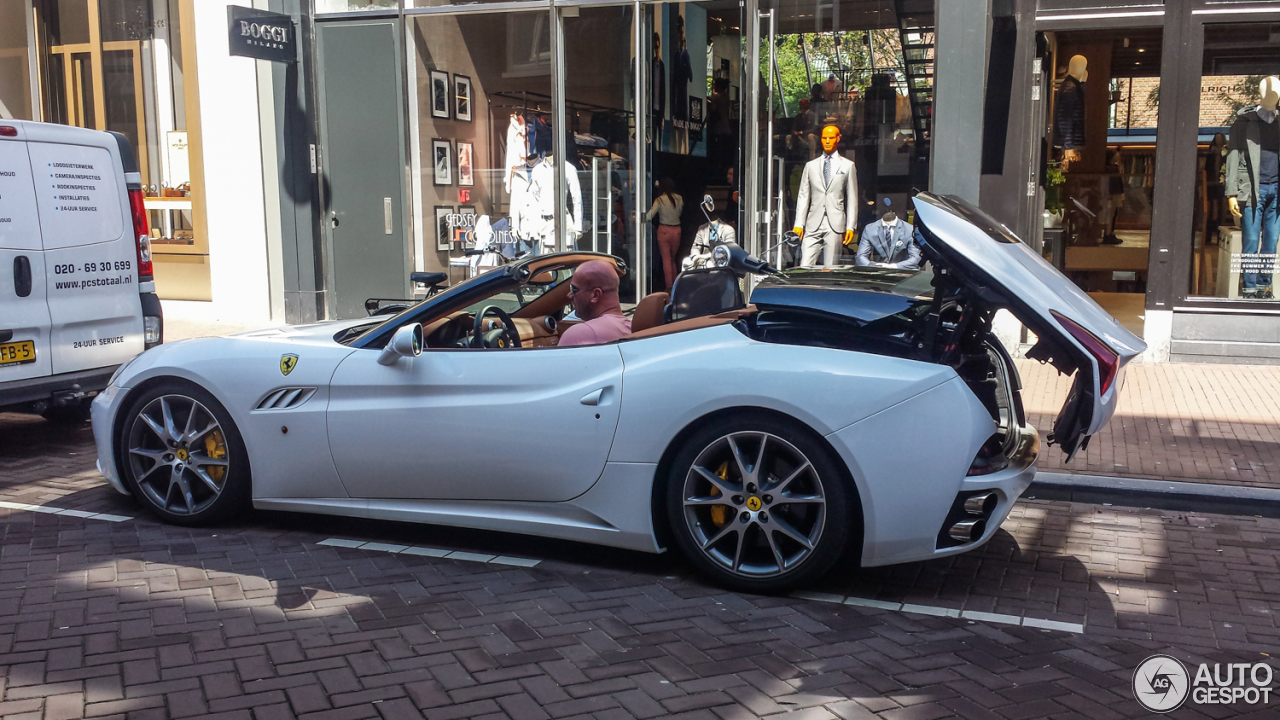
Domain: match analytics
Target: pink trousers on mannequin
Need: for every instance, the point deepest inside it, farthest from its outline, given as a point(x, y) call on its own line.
point(668, 246)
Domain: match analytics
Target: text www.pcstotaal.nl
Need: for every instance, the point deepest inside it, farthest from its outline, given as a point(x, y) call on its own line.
point(95, 282)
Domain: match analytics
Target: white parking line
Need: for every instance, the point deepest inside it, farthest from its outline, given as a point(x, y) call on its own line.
point(997, 618)
point(50, 510)
point(430, 552)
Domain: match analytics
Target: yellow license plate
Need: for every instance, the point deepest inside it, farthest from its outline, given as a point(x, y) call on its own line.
point(17, 353)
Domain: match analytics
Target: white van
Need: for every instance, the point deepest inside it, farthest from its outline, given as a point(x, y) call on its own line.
point(77, 298)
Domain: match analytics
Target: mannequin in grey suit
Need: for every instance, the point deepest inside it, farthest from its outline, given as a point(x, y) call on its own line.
point(827, 206)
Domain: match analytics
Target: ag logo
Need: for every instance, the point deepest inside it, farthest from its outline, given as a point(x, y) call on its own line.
point(288, 363)
point(1161, 683)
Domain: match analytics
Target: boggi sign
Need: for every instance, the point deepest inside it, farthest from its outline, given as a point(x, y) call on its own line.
point(260, 34)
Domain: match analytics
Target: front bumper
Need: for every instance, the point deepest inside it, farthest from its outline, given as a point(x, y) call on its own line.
point(103, 414)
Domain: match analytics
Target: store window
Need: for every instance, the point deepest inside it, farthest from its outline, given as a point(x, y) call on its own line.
point(344, 6)
point(118, 65)
point(1100, 173)
point(864, 79)
point(1237, 179)
point(600, 111)
point(15, 64)
point(482, 150)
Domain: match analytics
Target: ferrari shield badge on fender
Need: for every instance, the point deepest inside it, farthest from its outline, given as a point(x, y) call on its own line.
point(288, 363)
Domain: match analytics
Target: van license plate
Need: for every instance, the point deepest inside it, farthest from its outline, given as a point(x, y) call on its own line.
point(17, 353)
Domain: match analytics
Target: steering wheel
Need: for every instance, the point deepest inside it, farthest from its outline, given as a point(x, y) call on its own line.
point(503, 338)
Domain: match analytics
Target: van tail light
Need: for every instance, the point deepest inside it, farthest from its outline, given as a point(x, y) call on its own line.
point(8, 131)
point(1108, 359)
point(142, 232)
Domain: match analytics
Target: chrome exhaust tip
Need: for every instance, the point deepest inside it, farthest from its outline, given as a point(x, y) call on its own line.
point(982, 505)
point(966, 531)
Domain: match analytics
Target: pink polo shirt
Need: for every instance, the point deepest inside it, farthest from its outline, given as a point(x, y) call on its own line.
point(597, 331)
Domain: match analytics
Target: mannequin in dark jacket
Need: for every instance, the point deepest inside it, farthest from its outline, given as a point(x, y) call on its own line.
point(889, 242)
point(1068, 111)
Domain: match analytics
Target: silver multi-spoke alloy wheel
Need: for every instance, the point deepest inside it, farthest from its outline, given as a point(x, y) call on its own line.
point(754, 504)
point(177, 452)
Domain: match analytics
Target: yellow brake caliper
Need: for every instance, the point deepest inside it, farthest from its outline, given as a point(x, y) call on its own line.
point(719, 513)
point(216, 448)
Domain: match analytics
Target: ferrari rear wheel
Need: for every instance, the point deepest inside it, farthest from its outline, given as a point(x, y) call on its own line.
point(757, 505)
point(182, 456)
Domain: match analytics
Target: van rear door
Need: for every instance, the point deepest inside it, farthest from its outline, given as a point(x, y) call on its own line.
point(24, 315)
point(90, 252)
point(1075, 334)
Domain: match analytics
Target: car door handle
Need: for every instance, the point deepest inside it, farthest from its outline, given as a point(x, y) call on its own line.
point(593, 397)
point(22, 275)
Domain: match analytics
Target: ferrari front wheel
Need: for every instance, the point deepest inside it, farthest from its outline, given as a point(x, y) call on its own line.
point(182, 456)
point(758, 505)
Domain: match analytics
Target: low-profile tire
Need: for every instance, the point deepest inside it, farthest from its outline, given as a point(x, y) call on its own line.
point(758, 504)
point(181, 455)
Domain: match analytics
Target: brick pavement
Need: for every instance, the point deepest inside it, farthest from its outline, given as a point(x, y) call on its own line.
point(1174, 421)
point(139, 619)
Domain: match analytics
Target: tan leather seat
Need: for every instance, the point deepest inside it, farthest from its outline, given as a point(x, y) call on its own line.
point(649, 311)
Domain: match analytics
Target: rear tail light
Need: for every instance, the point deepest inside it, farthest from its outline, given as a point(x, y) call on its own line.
point(8, 131)
point(142, 232)
point(1108, 359)
point(151, 331)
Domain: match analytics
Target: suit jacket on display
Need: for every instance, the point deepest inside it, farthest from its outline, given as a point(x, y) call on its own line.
point(892, 245)
point(835, 201)
point(1068, 115)
point(1244, 156)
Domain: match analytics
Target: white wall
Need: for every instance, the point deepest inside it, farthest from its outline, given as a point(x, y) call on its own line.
point(232, 151)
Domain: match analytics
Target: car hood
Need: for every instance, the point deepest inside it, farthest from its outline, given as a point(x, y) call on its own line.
point(310, 332)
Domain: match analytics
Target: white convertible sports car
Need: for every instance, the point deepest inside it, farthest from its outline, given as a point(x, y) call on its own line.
point(846, 409)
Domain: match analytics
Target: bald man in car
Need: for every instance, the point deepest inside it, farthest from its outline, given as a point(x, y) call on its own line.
point(593, 290)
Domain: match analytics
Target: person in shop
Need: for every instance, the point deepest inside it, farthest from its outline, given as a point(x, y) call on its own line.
point(668, 207)
point(1115, 199)
point(593, 292)
point(730, 212)
point(832, 87)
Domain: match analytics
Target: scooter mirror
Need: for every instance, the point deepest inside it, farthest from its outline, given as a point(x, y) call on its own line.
point(708, 203)
point(791, 238)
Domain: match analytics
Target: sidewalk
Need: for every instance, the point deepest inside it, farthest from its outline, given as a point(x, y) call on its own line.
point(185, 319)
point(1175, 421)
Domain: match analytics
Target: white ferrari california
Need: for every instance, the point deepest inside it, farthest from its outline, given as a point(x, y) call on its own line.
point(863, 410)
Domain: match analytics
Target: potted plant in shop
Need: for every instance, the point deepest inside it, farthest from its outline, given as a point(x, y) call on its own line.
point(1053, 206)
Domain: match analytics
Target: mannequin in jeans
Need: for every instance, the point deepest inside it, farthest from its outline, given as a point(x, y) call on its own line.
point(1253, 183)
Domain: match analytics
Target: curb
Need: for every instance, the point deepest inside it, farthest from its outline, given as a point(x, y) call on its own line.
point(1163, 494)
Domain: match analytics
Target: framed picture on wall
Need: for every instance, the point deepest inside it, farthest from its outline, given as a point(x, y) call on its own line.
point(440, 94)
point(462, 97)
point(444, 233)
point(442, 161)
point(462, 232)
point(466, 172)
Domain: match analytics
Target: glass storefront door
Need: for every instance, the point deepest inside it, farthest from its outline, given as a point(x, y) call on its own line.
point(863, 75)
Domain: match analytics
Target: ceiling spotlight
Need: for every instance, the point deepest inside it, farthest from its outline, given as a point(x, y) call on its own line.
point(1142, 49)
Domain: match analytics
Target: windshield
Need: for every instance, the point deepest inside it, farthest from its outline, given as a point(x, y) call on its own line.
point(521, 295)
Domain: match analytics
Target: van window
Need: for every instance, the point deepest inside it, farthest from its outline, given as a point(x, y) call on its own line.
point(77, 194)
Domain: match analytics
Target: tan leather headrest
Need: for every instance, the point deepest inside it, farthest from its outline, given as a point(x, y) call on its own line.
point(649, 311)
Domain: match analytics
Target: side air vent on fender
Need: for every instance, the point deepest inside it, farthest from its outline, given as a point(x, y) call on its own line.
point(285, 398)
